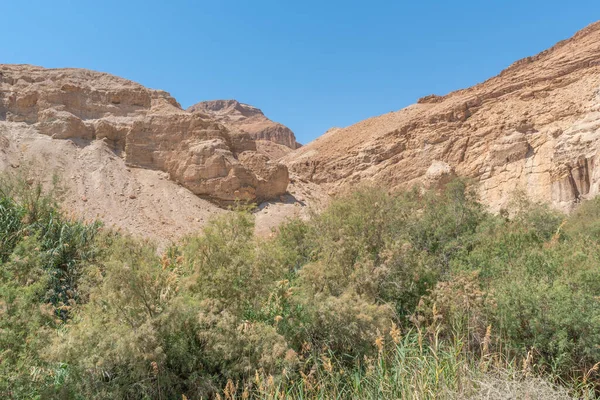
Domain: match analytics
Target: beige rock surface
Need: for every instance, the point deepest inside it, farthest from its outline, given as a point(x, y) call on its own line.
point(133, 158)
point(273, 150)
point(100, 185)
point(248, 119)
point(143, 202)
point(146, 128)
point(535, 127)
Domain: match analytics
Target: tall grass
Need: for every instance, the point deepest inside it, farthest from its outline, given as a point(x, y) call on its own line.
point(412, 367)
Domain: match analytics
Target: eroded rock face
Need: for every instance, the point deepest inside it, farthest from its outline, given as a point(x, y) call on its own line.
point(146, 127)
point(535, 127)
point(248, 119)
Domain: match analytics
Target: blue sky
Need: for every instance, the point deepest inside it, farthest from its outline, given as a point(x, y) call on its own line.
point(308, 64)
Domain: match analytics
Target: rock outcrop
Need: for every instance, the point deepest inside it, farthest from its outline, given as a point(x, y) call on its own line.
point(247, 119)
point(534, 127)
point(147, 128)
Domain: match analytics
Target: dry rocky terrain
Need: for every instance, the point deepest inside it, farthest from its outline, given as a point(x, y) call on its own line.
point(248, 119)
point(534, 127)
point(146, 128)
point(133, 157)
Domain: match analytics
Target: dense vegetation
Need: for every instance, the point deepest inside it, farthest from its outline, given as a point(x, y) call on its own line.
point(411, 295)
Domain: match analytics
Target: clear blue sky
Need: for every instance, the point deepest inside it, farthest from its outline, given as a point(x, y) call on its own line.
point(308, 64)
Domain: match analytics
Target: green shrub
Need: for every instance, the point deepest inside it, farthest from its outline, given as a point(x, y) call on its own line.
point(42, 259)
point(544, 289)
point(585, 220)
point(10, 226)
point(406, 295)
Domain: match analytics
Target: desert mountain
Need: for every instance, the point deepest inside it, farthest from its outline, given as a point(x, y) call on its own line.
point(131, 155)
point(147, 128)
point(134, 158)
point(535, 127)
point(248, 119)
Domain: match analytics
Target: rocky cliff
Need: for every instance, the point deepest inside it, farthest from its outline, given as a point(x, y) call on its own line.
point(134, 158)
point(248, 119)
point(534, 127)
point(146, 128)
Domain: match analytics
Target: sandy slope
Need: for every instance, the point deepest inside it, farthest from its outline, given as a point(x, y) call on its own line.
point(140, 201)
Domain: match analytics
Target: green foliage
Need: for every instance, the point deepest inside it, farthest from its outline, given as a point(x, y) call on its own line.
point(42, 257)
point(444, 224)
point(161, 326)
point(10, 226)
point(116, 337)
point(227, 264)
point(407, 295)
point(390, 248)
point(543, 288)
point(551, 305)
point(585, 220)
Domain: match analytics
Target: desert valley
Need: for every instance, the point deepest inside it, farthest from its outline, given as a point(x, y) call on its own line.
point(448, 249)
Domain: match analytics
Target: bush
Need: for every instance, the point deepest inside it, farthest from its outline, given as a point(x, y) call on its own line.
point(42, 259)
point(406, 295)
point(544, 289)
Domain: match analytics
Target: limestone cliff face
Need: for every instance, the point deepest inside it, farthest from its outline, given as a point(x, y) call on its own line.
point(534, 127)
point(248, 119)
point(147, 128)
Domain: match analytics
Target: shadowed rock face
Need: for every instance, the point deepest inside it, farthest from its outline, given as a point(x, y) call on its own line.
point(535, 127)
point(248, 119)
point(147, 128)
